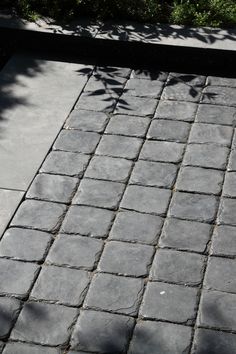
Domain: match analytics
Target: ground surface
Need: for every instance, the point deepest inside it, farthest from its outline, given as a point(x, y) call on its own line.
point(125, 241)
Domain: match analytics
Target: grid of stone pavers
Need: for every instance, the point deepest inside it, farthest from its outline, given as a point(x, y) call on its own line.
point(126, 239)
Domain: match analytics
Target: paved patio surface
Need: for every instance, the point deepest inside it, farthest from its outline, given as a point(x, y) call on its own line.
point(125, 241)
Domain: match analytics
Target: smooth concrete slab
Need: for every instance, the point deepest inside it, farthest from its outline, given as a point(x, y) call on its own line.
point(36, 98)
point(9, 201)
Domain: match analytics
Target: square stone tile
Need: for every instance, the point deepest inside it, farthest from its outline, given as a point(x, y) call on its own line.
point(24, 244)
point(99, 193)
point(206, 155)
point(99, 101)
point(65, 163)
point(227, 211)
point(77, 141)
point(153, 174)
point(222, 316)
point(178, 267)
point(136, 106)
point(185, 235)
point(128, 125)
point(119, 146)
point(112, 72)
point(163, 151)
point(63, 285)
point(109, 168)
point(16, 278)
point(221, 81)
point(211, 133)
point(136, 227)
point(100, 83)
point(146, 199)
point(144, 88)
point(229, 189)
point(220, 275)
point(53, 188)
point(167, 337)
point(87, 121)
point(165, 302)
point(126, 258)
point(170, 130)
point(232, 161)
point(196, 207)
point(214, 342)
point(42, 323)
point(189, 79)
point(176, 110)
point(39, 215)
point(181, 91)
point(75, 251)
point(149, 75)
point(112, 332)
point(208, 113)
point(9, 309)
point(224, 241)
point(201, 180)
point(114, 294)
point(225, 96)
point(87, 221)
point(22, 348)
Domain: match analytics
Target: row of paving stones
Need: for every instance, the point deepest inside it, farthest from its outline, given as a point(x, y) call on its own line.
point(89, 261)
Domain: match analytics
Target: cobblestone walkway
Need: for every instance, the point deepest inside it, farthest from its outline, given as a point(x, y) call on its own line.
point(126, 239)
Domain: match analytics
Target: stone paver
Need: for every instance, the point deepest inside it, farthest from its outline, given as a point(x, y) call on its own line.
point(125, 241)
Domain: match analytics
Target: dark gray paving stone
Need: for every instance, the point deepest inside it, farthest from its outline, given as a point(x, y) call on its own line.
point(232, 161)
point(42, 323)
point(201, 180)
point(185, 235)
point(196, 207)
point(39, 215)
point(97, 101)
point(146, 199)
point(109, 168)
point(23, 244)
point(178, 267)
point(65, 163)
point(214, 114)
point(220, 275)
point(225, 96)
point(221, 81)
point(153, 174)
point(214, 342)
point(21, 348)
point(170, 130)
point(167, 337)
point(211, 133)
point(163, 151)
point(136, 106)
point(115, 294)
point(112, 71)
point(99, 193)
point(227, 211)
point(126, 258)
point(112, 332)
point(229, 189)
point(100, 84)
point(144, 88)
point(204, 155)
point(165, 302)
point(77, 141)
point(9, 201)
point(63, 285)
point(87, 221)
point(9, 309)
point(75, 251)
point(87, 121)
point(53, 188)
point(222, 316)
point(176, 110)
point(149, 75)
point(1, 346)
point(181, 91)
point(119, 146)
point(188, 79)
point(224, 241)
point(128, 125)
point(16, 278)
point(136, 227)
